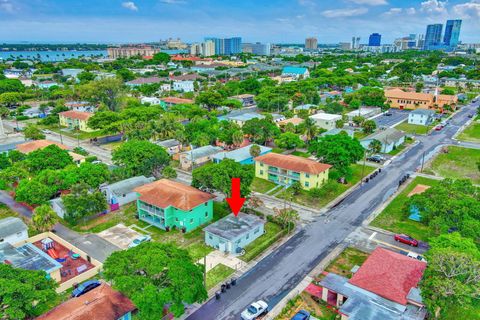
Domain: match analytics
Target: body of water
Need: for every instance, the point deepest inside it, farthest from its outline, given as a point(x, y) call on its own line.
point(51, 55)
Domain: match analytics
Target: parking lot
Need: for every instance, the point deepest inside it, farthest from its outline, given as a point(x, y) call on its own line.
point(120, 235)
point(397, 116)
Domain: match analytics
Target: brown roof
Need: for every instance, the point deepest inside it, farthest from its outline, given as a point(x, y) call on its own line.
point(30, 146)
point(400, 94)
point(164, 193)
point(102, 303)
point(175, 100)
point(76, 114)
point(293, 163)
point(446, 97)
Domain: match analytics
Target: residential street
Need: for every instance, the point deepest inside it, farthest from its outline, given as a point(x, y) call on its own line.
point(273, 277)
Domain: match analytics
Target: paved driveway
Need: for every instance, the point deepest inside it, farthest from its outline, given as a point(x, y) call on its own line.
point(120, 235)
point(388, 121)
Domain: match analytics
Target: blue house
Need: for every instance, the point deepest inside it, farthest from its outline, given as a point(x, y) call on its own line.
point(232, 234)
point(241, 155)
point(296, 72)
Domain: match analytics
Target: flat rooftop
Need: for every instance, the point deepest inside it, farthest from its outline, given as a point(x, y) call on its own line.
point(231, 227)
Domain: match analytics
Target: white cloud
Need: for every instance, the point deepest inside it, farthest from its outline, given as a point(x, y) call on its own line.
point(130, 5)
point(370, 2)
point(397, 11)
point(468, 10)
point(306, 3)
point(6, 6)
point(410, 11)
point(173, 1)
point(434, 6)
point(341, 13)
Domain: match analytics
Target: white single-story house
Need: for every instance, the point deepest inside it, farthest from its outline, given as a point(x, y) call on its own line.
point(13, 230)
point(326, 120)
point(422, 117)
point(172, 146)
point(150, 100)
point(183, 86)
point(121, 192)
point(390, 139)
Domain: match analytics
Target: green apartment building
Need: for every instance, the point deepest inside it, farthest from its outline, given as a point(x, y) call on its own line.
point(167, 204)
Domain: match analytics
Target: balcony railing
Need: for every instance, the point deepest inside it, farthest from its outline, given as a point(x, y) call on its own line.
point(153, 210)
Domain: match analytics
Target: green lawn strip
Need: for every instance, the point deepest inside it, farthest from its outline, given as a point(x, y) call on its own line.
point(331, 190)
point(262, 185)
point(301, 154)
point(349, 258)
point(273, 232)
point(217, 274)
point(413, 128)
point(458, 163)
point(395, 218)
point(359, 134)
point(466, 311)
point(278, 150)
point(471, 133)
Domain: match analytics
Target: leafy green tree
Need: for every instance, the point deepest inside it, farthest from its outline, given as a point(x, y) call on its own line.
point(33, 133)
point(218, 177)
point(419, 86)
point(296, 188)
point(255, 150)
point(369, 126)
point(85, 76)
point(287, 218)
point(448, 91)
point(103, 119)
point(92, 174)
point(289, 140)
point(50, 157)
point(368, 96)
point(451, 277)
point(338, 150)
point(210, 99)
point(33, 192)
point(141, 157)
point(260, 131)
point(10, 99)
point(82, 203)
point(339, 123)
point(14, 173)
point(108, 91)
point(161, 58)
point(44, 218)
point(11, 85)
point(375, 146)
point(169, 173)
point(237, 137)
point(25, 294)
point(125, 74)
point(155, 276)
point(358, 120)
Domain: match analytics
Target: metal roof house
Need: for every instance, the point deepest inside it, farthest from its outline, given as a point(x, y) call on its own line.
point(390, 138)
point(121, 192)
point(241, 155)
point(172, 146)
point(197, 157)
point(232, 234)
point(13, 230)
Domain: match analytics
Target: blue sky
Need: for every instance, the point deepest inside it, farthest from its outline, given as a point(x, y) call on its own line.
point(119, 21)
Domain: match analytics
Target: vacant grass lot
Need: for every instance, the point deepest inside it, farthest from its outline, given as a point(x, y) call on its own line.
point(218, 274)
point(349, 258)
point(273, 232)
point(331, 190)
point(395, 216)
point(262, 185)
point(458, 163)
point(413, 128)
point(471, 133)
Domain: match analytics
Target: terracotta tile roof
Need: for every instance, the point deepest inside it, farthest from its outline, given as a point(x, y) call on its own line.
point(389, 274)
point(175, 100)
point(76, 114)
point(293, 163)
point(164, 193)
point(102, 303)
point(400, 94)
point(30, 146)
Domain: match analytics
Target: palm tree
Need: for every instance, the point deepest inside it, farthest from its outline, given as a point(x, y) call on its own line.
point(166, 126)
point(310, 129)
point(237, 138)
point(44, 218)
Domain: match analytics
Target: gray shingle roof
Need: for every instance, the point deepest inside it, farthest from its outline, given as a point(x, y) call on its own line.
point(11, 225)
point(389, 135)
point(126, 186)
point(201, 152)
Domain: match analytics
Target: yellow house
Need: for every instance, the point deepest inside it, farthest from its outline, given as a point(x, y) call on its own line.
point(287, 169)
point(75, 120)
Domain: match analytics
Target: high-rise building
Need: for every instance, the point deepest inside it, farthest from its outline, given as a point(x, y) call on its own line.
point(355, 43)
point(374, 40)
point(433, 36)
point(260, 49)
point(196, 49)
point(227, 46)
point(311, 43)
point(208, 48)
point(452, 32)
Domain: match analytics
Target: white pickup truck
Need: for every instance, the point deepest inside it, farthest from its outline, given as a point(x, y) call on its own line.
point(255, 310)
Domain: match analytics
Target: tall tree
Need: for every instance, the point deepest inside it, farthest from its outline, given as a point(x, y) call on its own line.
point(24, 294)
point(82, 203)
point(50, 157)
point(289, 140)
point(44, 218)
point(32, 132)
point(155, 276)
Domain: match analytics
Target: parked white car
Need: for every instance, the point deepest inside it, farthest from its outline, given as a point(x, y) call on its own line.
point(255, 310)
point(139, 240)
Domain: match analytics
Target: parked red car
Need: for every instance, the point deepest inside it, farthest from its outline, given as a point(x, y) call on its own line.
point(439, 127)
point(403, 238)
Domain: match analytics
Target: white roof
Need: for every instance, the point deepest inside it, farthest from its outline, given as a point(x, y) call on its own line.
point(326, 116)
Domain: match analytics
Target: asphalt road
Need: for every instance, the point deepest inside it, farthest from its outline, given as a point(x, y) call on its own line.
point(274, 276)
point(388, 121)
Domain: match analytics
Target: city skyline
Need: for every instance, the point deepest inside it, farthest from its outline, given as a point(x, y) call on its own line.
point(117, 21)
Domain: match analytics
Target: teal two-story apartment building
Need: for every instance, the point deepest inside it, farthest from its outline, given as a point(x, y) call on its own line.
point(167, 204)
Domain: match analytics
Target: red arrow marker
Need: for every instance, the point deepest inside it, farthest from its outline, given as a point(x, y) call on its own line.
point(235, 201)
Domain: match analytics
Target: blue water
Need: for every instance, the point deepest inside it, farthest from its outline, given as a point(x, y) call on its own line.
point(50, 55)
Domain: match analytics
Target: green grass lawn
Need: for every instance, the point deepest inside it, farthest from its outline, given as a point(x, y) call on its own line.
point(262, 185)
point(73, 134)
point(273, 232)
point(359, 134)
point(471, 133)
point(349, 258)
point(394, 217)
point(331, 190)
point(413, 128)
point(278, 150)
point(301, 154)
point(217, 274)
point(458, 163)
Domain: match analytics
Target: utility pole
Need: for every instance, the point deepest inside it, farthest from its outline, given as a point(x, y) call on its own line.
point(363, 167)
point(423, 162)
